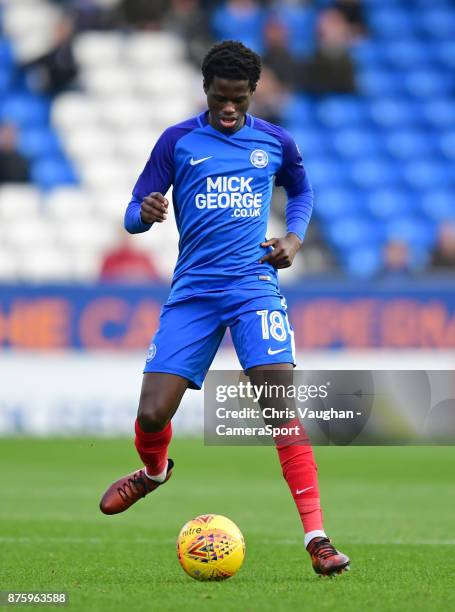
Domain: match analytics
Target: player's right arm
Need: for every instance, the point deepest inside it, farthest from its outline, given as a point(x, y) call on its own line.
point(148, 204)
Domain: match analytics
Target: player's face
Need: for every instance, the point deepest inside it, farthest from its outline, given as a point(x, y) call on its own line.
point(228, 101)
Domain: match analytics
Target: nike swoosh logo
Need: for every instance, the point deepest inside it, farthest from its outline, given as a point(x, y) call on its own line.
point(299, 491)
point(272, 352)
point(195, 162)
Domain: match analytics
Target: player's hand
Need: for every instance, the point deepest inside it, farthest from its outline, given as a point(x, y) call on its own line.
point(284, 250)
point(154, 208)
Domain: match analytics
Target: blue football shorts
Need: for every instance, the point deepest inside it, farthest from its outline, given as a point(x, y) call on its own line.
point(191, 330)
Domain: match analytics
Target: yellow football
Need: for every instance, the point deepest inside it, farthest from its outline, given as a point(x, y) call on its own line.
point(210, 547)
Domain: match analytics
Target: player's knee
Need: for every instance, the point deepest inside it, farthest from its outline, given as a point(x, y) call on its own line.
point(153, 414)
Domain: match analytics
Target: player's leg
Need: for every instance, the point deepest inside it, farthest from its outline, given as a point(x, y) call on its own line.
point(161, 394)
point(298, 467)
point(178, 358)
point(264, 342)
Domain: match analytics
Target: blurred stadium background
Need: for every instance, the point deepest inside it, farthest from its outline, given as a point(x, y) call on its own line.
point(367, 88)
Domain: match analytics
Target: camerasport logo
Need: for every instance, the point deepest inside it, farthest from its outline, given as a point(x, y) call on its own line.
point(231, 192)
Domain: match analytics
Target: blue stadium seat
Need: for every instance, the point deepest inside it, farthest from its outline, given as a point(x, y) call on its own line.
point(5, 80)
point(333, 202)
point(414, 230)
point(409, 143)
point(300, 24)
point(363, 262)
point(25, 110)
point(354, 232)
point(357, 142)
point(39, 141)
point(298, 111)
point(427, 173)
point(405, 54)
point(388, 203)
point(324, 172)
point(374, 173)
point(392, 22)
point(440, 112)
point(313, 142)
point(380, 82)
point(6, 55)
point(429, 83)
point(446, 53)
point(438, 22)
point(368, 54)
point(342, 111)
point(395, 112)
point(439, 204)
point(53, 171)
point(246, 26)
point(447, 144)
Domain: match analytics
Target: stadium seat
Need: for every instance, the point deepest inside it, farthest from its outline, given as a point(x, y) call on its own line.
point(298, 111)
point(71, 110)
point(313, 142)
point(438, 22)
point(354, 232)
point(440, 112)
point(414, 230)
point(85, 234)
point(354, 142)
point(99, 48)
point(374, 172)
point(53, 171)
point(447, 144)
point(428, 173)
point(409, 143)
point(325, 172)
point(299, 22)
point(334, 202)
point(392, 22)
point(368, 54)
point(439, 204)
point(429, 83)
point(39, 141)
point(245, 25)
point(103, 172)
point(407, 54)
point(25, 110)
point(30, 236)
point(363, 262)
point(88, 143)
point(380, 82)
point(446, 53)
point(45, 264)
point(387, 203)
point(9, 268)
point(19, 202)
point(69, 203)
point(395, 112)
point(158, 48)
point(342, 111)
point(107, 80)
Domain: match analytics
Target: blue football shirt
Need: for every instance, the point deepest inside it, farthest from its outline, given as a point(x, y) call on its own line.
point(222, 189)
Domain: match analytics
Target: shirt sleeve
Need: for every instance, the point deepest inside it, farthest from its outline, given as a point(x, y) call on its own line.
point(157, 175)
point(293, 178)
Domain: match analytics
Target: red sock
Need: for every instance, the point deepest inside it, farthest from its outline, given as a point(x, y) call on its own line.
point(152, 448)
point(300, 471)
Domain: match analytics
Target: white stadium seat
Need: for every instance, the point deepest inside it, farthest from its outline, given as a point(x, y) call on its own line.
point(99, 48)
point(45, 265)
point(69, 203)
point(145, 48)
point(19, 202)
point(9, 267)
point(24, 235)
point(72, 110)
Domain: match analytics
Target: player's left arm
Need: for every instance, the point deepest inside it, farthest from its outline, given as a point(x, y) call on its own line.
point(293, 178)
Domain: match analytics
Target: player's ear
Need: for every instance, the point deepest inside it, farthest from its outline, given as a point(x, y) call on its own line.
point(205, 87)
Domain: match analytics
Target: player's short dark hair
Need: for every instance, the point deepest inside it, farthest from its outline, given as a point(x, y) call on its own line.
point(231, 59)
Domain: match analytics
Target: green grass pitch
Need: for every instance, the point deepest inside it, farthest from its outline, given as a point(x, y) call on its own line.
point(391, 509)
